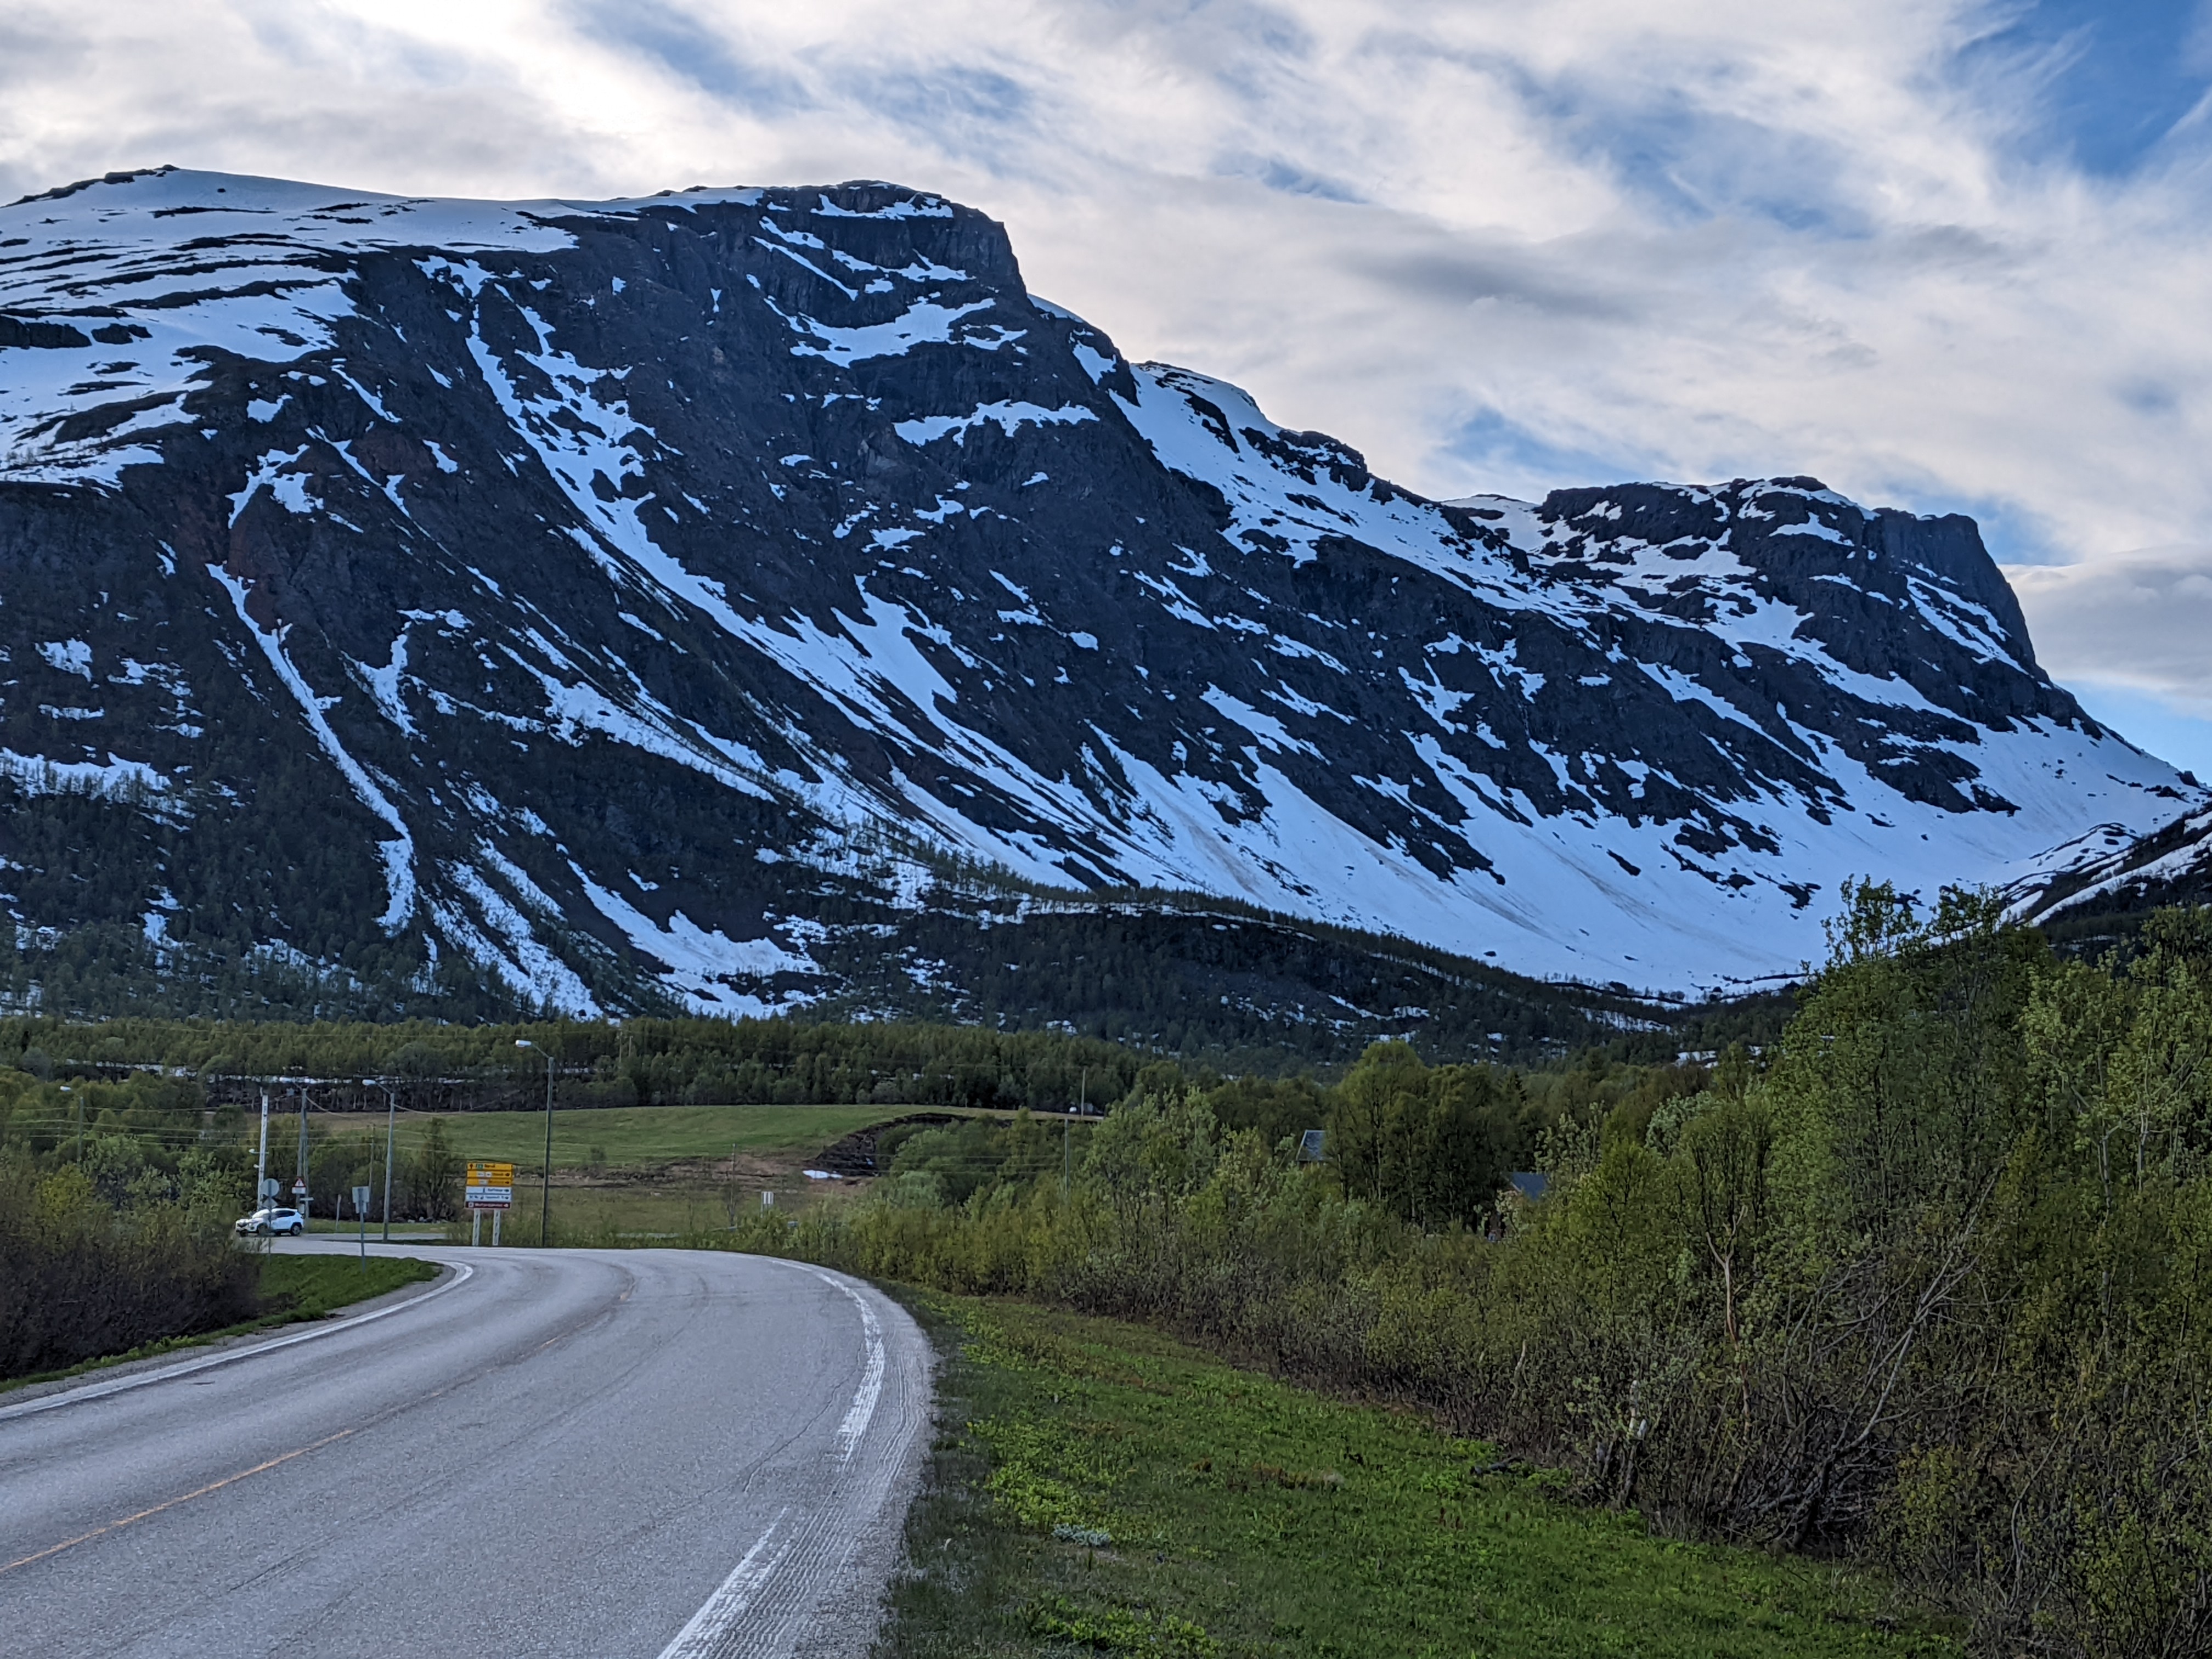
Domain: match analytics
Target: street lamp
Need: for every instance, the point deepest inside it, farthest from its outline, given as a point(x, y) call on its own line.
point(544, 1192)
point(391, 1123)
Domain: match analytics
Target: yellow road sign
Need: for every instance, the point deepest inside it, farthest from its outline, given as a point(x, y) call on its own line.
point(492, 1186)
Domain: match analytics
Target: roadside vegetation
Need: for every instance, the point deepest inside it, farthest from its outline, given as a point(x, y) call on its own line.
point(117, 1206)
point(1100, 1488)
point(90, 1275)
point(293, 1289)
point(85, 1272)
point(1928, 1289)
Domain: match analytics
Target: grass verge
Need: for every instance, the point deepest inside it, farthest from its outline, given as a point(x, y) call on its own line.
point(292, 1288)
point(297, 1287)
point(1097, 1488)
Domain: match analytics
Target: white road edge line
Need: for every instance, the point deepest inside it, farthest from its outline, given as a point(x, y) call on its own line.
point(462, 1274)
point(871, 1376)
point(727, 1605)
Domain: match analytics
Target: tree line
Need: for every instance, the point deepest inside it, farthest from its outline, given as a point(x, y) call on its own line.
point(643, 1062)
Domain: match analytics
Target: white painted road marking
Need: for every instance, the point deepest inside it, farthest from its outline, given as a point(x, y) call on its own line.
point(727, 1605)
point(715, 1621)
point(871, 1376)
point(718, 1439)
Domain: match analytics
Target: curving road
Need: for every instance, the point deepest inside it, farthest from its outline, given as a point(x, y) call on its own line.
point(595, 1454)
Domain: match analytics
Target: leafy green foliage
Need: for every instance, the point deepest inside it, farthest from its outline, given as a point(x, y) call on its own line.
point(81, 1277)
point(1930, 1284)
point(1434, 1145)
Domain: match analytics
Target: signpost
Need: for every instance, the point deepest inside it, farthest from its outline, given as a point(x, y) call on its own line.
point(491, 1187)
point(361, 1217)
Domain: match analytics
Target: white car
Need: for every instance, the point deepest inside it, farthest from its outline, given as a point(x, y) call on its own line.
point(273, 1221)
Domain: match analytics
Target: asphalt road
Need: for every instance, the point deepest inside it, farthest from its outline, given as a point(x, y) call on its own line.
point(598, 1454)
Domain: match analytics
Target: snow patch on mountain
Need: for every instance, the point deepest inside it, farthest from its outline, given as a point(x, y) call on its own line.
point(549, 516)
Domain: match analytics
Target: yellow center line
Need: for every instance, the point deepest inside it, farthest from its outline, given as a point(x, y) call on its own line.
point(213, 1485)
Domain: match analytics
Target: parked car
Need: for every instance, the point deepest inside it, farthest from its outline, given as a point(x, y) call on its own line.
point(273, 1221)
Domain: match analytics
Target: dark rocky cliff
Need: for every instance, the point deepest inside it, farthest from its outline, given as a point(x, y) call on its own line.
point(717, 596)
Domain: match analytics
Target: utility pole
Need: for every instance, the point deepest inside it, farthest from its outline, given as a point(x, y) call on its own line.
point(1067, 1134)
point(261, 1161)
point(77, 1109)
point(299, 1175)
point(390, 1124)
point(545, 1192)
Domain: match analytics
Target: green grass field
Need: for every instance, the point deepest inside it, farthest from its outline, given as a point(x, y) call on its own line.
point(1101, 1489)
point(620, 1171)
point(295, 1287)
point(635, 1137)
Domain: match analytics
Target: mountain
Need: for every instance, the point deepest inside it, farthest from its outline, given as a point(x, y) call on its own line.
point(2096, 890)
point(756, 599)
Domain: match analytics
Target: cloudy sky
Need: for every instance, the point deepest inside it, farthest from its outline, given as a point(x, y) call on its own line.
point(1954, 257)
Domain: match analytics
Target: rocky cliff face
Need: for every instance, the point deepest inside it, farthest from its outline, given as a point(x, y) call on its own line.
point(674, 599)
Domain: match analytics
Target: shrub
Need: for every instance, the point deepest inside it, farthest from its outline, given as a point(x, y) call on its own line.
point(81, 1277)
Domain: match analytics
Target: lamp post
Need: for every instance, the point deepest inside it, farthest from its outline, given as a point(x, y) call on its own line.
point(545, 1191)
point(299, 1175)
point(390, 1124)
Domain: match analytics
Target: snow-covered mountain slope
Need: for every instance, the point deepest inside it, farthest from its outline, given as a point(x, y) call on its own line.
point(2097, 887)
point(665, 593)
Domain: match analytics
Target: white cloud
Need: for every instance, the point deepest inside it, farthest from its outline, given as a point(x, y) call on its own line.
point(2141, 621)
point(2131, 633)
point(1495, 246)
